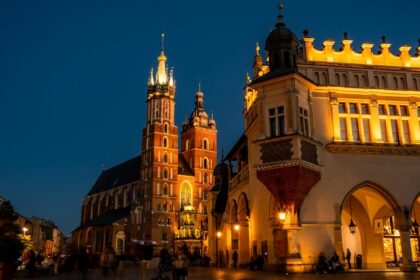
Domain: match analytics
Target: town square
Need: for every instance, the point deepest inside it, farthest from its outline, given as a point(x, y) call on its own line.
point(163, 140)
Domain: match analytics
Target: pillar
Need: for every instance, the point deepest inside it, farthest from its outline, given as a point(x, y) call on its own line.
point(407, 265)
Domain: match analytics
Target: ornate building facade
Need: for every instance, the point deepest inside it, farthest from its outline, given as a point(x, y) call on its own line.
point(158, 198)
point(329, 158)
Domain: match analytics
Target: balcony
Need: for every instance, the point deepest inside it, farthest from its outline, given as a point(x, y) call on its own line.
point(289, 168)
point(240, 178)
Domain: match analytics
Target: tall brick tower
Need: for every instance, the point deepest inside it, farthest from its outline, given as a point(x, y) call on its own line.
point(199, 146)
point(159, 156)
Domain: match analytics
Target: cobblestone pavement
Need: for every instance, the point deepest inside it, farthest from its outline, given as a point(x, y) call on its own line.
point(135, 273)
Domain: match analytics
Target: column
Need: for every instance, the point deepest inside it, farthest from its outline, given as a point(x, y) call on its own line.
point(407, 265)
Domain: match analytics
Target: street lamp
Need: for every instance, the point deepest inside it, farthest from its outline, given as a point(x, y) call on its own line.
point(282, 215)
point(352, 225)
point(236, 227)
point(24, 229)
point(218, 234)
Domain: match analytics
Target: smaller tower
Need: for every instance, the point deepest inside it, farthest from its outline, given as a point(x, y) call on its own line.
point(199, 144)
point(281, 45)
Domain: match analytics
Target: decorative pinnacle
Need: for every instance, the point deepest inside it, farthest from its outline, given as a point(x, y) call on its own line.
point(305, 33)
point(346, 35)
point(257, 49)
point(280, 21)
point(383, 37)
point(199, 86)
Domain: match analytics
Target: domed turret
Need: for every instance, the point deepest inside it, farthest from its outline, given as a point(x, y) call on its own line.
point(281, 45)
point(199, 117)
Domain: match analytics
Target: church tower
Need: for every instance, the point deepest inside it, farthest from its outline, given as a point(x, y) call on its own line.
point(159, 156)
point(199, 145)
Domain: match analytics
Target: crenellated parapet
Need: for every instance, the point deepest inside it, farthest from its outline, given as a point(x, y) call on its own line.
point(347, 55)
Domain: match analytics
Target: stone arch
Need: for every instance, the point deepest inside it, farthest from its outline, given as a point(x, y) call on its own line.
point(372, 208)
point(243, 207)
point(233, 212)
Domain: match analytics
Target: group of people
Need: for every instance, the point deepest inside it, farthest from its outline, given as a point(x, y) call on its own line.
point(327, 266)
point(165, 265)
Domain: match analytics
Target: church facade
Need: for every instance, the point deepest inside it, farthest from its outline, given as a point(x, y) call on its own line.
point(158, 199)
point(329, 157)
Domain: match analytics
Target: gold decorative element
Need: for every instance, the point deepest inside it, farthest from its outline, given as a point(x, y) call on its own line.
point(365, 57)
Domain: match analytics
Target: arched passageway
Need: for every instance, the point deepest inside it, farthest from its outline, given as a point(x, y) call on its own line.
point(373, 228)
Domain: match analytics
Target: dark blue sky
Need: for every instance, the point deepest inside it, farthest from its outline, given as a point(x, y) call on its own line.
point(73, 78)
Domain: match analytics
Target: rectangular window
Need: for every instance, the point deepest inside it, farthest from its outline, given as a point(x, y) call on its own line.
point(392, 110)
point(384, 134)
point(343, 129)
point(304, 123)
point(272, 126)
point(355, 129)
point(281, 123)
point(277, 121)
point(394, 131)
point(342, 107)
point(403, 111)
point(353, 108)
point(366, 130)
point(381, 109)
point(406, 132)
point(365, 109)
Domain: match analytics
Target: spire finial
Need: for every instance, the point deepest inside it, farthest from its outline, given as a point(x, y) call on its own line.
point(280, 21)
point(257, 49)
point(163, 40)
point(199, 86)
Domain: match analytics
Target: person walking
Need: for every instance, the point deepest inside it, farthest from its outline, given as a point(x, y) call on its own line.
point(181, 266)
point(348, 258)
point(235, 259)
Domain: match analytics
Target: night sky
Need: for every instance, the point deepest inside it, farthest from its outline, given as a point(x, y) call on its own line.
point(73, 78)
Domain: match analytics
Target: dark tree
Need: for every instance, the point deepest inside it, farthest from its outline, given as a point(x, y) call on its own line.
point(10, 244)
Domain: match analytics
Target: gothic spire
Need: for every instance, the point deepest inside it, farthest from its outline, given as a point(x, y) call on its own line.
point(162, 74)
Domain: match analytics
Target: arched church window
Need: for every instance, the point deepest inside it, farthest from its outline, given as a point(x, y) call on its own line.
point(185, 194)
point(165, 128)
point(205, 144)
point(165, 173)
point(165, 142)
point(166, 110)
point(157, 110)
point(165, 158)
point(205, 163)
